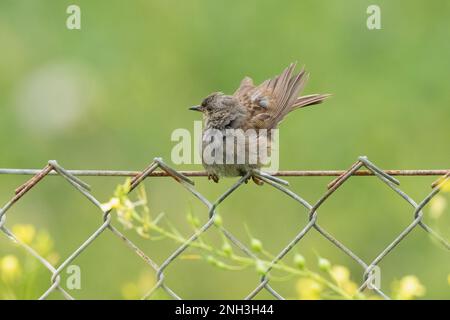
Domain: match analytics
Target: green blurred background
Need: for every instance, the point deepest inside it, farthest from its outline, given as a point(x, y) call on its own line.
point(108, 96)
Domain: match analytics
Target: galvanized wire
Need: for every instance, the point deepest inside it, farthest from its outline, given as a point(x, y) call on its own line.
point(159, 169)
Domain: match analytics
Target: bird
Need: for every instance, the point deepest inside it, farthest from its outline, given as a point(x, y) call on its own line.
point(251, 108)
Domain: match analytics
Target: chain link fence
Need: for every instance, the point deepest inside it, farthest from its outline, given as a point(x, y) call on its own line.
point(159, 168)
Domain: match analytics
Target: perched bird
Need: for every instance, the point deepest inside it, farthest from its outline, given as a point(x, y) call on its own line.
point(250, 109)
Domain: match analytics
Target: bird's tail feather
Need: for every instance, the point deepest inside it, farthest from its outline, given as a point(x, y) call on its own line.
point(286, 87)
point(309, 100)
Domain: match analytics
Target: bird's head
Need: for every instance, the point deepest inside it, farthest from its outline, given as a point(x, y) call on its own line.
point(215, 102)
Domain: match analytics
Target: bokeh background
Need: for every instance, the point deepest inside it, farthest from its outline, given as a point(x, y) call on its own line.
point(108, 96)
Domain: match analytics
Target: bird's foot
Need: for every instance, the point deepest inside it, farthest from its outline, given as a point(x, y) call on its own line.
point(255, 179)
point(260, 176)
point(258, 181)
point(214, 177)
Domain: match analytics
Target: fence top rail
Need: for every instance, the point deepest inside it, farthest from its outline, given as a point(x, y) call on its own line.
point(287, 173)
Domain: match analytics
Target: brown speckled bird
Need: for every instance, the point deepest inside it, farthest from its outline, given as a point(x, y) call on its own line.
point(252, 107)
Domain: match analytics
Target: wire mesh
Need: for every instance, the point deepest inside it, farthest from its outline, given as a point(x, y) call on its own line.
point(158, 168)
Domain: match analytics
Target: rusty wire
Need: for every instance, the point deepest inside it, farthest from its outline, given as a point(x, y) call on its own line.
point(284, 173)
point(158, 168)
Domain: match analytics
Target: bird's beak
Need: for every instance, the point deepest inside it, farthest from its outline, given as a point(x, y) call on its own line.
point(196, 108)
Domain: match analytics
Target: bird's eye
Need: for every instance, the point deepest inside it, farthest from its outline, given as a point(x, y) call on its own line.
point(206, 106)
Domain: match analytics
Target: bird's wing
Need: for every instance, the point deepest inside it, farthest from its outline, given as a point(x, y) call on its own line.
point(268, 103)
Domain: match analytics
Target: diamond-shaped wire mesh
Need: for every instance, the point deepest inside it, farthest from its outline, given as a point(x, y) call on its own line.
point(159, 166)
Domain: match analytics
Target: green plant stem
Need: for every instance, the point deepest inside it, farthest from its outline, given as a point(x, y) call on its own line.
point(247, 261)
point(244, 262)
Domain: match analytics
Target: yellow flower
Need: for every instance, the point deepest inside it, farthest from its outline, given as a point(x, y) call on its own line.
point(146, 282)
point(24, 232)
point(43, 244)
point(113, 203)
point(130, 291)
point(437, 206)
point(308, 289)
point(446, 186)
point(10, 268)
point(341, 275)
point(409, 287)
point(142, 231)
point(448, 279)
point(350, 287)
point(135, 291)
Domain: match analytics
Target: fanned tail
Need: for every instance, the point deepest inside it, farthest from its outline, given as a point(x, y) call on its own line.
point(286, 88)
point(268, 103)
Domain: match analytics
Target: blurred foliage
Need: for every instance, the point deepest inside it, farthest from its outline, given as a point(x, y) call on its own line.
point(333, 283)
point(110, 95)
point(22, 276)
